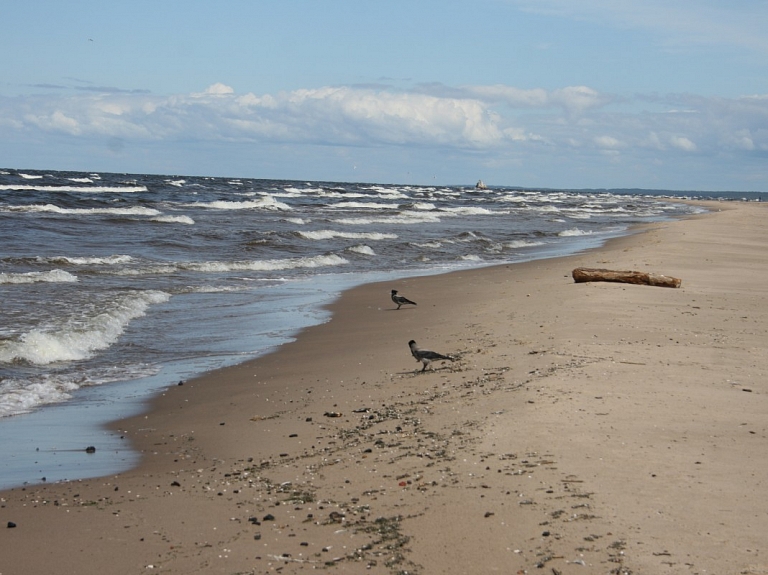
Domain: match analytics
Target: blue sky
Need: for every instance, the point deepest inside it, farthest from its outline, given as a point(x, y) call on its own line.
point(666, 94)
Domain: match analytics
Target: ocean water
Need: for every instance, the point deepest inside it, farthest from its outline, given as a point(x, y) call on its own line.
point(115, 286)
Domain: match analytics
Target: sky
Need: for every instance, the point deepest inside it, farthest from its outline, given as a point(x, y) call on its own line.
point(655, 94)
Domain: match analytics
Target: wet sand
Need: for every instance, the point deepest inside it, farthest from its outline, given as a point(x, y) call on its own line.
point(582, 428)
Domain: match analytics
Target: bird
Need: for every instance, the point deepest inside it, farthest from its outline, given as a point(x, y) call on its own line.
point(400, 300)
point(425, 356)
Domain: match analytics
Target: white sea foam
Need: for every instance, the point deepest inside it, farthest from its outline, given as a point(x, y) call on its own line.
point(75, 189)
point(265, 265)
point(87, 261)
point(80, 337)
point(574, 232)
point(19, 396)
point(265, 203)
point(174, 220)
point(522, 244)
point(240, 266)
point(30, 176)
point(335, 194)
point(81, 180)
point(330, 234)
point(177, 183)
point(50, 208)
point(147, 270)
point(390, 193)
point(215, 289)
point(362, 249)
point(53, 276)
point(429, 245)
point(469, 211)
point(424, 206)
point(297, 221)
point(406, 218)
point(366, 205)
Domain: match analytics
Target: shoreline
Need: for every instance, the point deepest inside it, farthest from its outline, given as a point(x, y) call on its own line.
point(582, 425)
point(56, 456)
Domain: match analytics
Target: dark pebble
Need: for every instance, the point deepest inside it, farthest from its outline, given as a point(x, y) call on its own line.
point(269, 517)
point(488, 513)
point(293, 435)
point(90, 449)
point(545, 534)
point(11, 525)
point(175, 484)
point(257, 536)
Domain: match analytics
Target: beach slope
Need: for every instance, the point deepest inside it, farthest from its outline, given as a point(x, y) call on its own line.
point(579, 428)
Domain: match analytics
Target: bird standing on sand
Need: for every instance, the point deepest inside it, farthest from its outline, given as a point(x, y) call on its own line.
point(400, 300)
point(425, 356)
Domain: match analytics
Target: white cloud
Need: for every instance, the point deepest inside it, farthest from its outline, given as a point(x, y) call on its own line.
point(494, 123)
point(682, 143)
point(573, 99)
point(217, 89)
point(607, 142)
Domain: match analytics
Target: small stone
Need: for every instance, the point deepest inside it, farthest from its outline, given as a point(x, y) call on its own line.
point(257, 536)
point(90, 449)
point(11, 525)
point(269, 517)
point(175, 484)
point(488, 513)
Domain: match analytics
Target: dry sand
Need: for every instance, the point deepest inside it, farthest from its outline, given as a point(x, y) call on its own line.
point(583, 428)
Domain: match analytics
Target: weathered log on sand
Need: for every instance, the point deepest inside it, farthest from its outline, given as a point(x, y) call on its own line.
point(628, 277)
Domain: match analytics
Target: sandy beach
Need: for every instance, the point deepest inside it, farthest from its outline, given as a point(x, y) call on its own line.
point(581, 428)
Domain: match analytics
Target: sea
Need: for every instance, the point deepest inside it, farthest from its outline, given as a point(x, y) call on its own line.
point(114, 287)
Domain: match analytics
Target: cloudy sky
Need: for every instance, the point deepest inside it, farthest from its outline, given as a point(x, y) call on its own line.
point(668, 94)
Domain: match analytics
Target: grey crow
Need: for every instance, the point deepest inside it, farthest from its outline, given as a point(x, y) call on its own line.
point(400, 300)
point(425, 356)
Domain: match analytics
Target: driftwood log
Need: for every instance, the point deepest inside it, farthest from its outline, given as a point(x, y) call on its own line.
point(581, 275)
